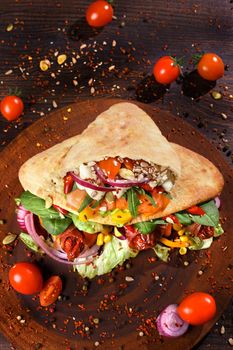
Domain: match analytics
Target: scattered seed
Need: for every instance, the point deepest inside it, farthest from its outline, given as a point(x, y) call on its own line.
point(69, 110)
point(83, 46)
point(75, 82)
point(22, 321)
point(9, 238)
point(200, 272)
point(9, 27)
point(186, 263)
point(87, 329)
point(74, 60)
point(2, 222)
point(8, 72)
point(96, 320)
point(45, 65)
point(129, 279)
point(222, 330)
point(224, 116)
point(156, 278)
point(19, 317)
point(90, 82)
point(61, 59)
point(92, 90)
point(97, 343)
point(54, 104)
point(114, 43)
point(111, 68)
point(141, 334)
point(230, 341)
point(216, 95)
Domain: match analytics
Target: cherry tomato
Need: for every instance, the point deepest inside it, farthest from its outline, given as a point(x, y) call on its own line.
point(197, 308)
point(210, 66)
point(110, 166)
point(26, 278)
point(99, 13)
point(166, 70)
point(12, 107)
point(51, 290)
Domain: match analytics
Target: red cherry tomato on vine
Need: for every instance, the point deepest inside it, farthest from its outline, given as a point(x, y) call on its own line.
point(197, 308)
point(26, 278)
point(99, 13)
point(166, 70)
point(11, 107)
point(210, 66)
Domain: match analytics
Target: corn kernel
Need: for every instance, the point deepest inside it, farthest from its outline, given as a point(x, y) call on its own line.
point(177, 227)
point(100, 239)
point(184, 238)
point(181, 232)
point(183, 251)
point(107, 238)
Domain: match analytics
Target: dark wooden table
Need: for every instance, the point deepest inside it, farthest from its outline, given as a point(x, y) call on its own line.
point(117, 61)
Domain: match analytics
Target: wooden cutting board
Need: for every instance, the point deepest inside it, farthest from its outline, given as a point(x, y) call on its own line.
point(124, 309)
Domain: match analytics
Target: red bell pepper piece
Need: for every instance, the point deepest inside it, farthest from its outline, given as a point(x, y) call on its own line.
point(195, 210)
point(68, 183)
point(61, 210)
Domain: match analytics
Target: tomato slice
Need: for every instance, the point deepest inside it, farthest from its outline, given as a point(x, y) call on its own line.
point(75, 198)
point(121, 203)
point(89, 238)
point(128, 163)
point(51, 290)
point(110, 167)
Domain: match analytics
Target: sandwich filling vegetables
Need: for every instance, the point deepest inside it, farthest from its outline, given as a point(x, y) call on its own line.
point(95, 249)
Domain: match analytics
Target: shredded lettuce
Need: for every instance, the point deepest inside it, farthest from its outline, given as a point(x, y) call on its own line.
point(87, 226)
point(198, 244)
point(162, 252)
point(218, 230)
point(114, 253)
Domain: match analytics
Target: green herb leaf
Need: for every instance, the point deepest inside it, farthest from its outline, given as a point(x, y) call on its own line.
point(95, 204)
point(87, 200)
point(133, 202)
point(211, 217)
point(184, 218)
point(87, 226)
point(151, 199)
point(146, 227)
point(218, 230)
point(36, 205)
point(56, 226)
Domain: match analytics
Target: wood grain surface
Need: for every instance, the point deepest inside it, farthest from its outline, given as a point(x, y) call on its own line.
point(142, 32)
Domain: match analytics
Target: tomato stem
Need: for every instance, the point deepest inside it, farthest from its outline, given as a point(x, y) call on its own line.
point(196, 58)
point(15, 92)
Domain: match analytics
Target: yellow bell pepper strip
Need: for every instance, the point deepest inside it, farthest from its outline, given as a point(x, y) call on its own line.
point(86, 214)
point(173, 244)
point(121, 217)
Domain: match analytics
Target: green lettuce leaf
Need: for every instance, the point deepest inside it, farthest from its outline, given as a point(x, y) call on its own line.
point(56, 226)
point(162, 252)
point(211, 217)
point(87, 226)
point(198, 243)
point(218, 230)
point(115, 253)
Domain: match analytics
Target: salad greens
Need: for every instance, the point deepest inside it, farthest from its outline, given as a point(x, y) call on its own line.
point(114, 253)
point(87, 226)
point(162, 252)
point(133, 202)
point(87, 200)
point(146, 227)
point(36, 205)
point(56, 226)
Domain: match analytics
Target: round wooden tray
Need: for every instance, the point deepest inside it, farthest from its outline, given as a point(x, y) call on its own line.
point(123, 308)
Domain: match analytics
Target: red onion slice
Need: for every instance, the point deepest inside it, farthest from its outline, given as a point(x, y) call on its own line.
point(170, 324)
point(87, 184)
point(52, 253)
point(21, 213)
point(217, 202)
point(118, 183)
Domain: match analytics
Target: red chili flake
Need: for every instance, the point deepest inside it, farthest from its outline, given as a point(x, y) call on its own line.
point(82, 307)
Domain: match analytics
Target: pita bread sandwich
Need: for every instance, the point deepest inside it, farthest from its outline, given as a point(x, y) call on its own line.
point(118, 188)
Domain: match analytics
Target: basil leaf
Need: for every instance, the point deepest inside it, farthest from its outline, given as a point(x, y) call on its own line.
point(151, 199)
point(211, 217)
point(184, 219)
point(133, 202)
point(162, 252)
point(87, 200)
point(146, 227)
point(36, 205)
point(56, 226)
